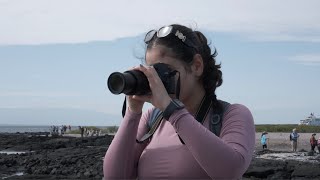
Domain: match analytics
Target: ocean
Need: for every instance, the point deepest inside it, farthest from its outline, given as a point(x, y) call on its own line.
point(22, 129)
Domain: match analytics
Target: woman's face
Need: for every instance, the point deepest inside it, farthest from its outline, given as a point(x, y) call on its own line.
point(188, 80)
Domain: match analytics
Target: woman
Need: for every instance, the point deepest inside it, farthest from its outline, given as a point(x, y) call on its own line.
point(313, 141)
point(181, 147)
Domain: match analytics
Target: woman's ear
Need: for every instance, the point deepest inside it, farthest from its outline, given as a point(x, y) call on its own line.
point(197, 65)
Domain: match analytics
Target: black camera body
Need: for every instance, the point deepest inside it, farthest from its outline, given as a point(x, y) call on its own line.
point(134, 82)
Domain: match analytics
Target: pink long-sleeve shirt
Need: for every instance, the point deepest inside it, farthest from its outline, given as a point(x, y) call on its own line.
point(203, 156)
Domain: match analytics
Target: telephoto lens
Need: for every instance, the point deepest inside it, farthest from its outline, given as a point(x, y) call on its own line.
point(132, 82)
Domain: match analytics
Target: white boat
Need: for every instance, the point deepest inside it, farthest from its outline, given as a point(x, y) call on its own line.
point(311, 120)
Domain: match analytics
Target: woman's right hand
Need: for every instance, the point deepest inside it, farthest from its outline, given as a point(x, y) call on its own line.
point(134, 105)
point(159, 97)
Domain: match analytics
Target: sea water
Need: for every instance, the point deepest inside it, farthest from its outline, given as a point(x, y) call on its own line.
point(23, 129)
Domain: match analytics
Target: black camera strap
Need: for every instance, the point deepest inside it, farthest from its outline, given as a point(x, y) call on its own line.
point(203, 109)
point(156, 118)
point(178, 86)
point(124, 106)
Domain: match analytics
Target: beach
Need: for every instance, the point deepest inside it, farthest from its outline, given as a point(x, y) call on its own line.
point(72, 157)
point(281, 142)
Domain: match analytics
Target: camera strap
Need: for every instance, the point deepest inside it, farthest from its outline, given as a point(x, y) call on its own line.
point(178, 86)
point(124, 106)
point(156, 118)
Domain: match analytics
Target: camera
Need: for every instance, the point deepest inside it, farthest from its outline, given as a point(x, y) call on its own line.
point(134, 82)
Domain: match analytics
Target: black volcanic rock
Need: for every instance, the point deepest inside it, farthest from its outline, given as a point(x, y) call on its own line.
point(53, 157)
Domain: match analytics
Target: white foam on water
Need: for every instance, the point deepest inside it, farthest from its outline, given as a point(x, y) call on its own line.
point(12, 152)
point(15, 174)
point(298, 156)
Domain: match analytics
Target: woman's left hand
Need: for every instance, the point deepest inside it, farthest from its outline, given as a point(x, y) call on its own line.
point(159, 96)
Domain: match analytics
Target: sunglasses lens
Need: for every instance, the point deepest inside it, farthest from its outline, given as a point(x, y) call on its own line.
point(164, 31)
point(149, 36)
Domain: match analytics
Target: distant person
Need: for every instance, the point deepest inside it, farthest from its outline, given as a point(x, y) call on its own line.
point(186, 144)
point(64, 129)
point(61, 130)
point(81, 130)
point(313, 142)
point(56, 130)
point(85, 131)
point(51, 130)
point(294, 139)
point(264, 139)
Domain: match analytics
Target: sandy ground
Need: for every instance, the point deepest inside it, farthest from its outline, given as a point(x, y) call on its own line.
point(281, 142)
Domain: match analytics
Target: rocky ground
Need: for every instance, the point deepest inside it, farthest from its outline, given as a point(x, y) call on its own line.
point(52, 157)
point(279, 162)
point(82, 158)
point(268, 164)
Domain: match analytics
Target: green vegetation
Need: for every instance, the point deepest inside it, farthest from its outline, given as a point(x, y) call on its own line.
point(287, 128)
point(110, 129)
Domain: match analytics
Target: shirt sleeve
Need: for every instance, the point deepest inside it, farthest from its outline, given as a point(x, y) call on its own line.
point(263, 139)
point(122, 156)
point(226, 157)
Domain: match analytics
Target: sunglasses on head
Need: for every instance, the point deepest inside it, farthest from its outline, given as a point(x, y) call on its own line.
point(165, 31)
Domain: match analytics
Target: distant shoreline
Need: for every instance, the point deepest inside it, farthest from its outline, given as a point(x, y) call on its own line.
point(280, 128)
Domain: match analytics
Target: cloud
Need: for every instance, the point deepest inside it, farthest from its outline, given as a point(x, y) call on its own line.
point(73, 21)
point(290, 37)
point(307, 59)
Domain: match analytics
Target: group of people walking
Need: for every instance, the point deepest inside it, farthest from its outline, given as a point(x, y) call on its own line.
point(59, 130)
point(294, 136)
point(85, 131)
point(313, 141)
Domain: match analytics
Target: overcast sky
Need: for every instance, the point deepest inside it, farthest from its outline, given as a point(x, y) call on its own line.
point(58, 54)
point(59, 21)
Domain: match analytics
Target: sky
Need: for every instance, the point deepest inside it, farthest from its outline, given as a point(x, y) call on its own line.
point(56, 56)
